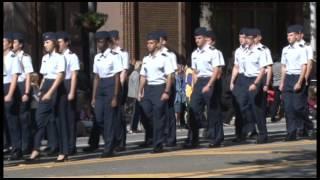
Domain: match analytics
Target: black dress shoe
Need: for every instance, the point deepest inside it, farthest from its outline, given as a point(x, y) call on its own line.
point(261, 141)
point(190, 145)
point(107, 154)
point(15, 156)
point(62, 160)
point(52, 152)
point(158, 150)
point(28, 151)
point(145, 144)
point(291, 137)
point(89, 149)
point(239, 139)
point(72, 152)
point(120, 149)
point(214, 145)
point(171, 145)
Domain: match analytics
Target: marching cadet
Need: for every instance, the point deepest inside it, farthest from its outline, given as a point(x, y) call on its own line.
point(294, 65)
point(236, 86)
point(24, 91)
point(121, 123)
point(206, 63)
point(171, 135)
point(154, 88)
point(254, 64)
point(53, 67)
point(106, 88)
point(307, 126)
point(11, 71)
point(266, 79)
point(70, 83)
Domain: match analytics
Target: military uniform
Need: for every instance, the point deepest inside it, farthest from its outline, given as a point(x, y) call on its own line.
point(170, 127)
point(11, 66)
point(293, 57)
point(52, 64)
point(106, 65)
point(155, 68)
point(250, 105)
point(72, 64)
point(121, 125)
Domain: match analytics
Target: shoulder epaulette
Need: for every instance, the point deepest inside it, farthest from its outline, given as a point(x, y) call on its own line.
point(164, 54)
point(113, 52)
point(212, 48)
point(13, 55)
point(260, 49)
point(122, 50)
point(70, 52)
point(301, 45)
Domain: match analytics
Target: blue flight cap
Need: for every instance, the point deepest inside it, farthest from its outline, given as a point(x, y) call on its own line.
point(153, 36)
point(114, 34)
point(257, 31)
point(211, 34)
point(102, 35)
point(250, 32)
point(293, 28)
point(49, 36)
point(299, 28)
point(18, 36)
point(62, 35)
point(8, 36)
point(163, 34)
point(243, 31)
point(200, 31)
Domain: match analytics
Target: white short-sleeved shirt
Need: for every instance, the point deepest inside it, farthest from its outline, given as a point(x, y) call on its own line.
point(156, 68)
point(172, 56)
point(238, 57)
point(254, 59)
point(72, 63)
point(205, 59)
point(267, 51)
point(52, 64)
point(11, 66)
point(124, 57)
point(293, 56)
point(308, 49)
point(107, 64)
point(26, 65)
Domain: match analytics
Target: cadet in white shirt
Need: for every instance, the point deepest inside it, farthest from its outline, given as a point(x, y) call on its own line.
point(236, 85)
point(70, 84)
point(24, 91)
point(121, 127)
point(11, 71)
point(307, 126)
point(266, 79)
point(294, 65)
point(251, 106)
point(106, 88)
point(154, 88)
point(206, 62)
point(170, 127)
point(53, 67)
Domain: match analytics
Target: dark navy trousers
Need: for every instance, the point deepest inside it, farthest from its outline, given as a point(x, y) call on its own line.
point(294, 104)
point(155, 110)
point(106, 116)
point(212, 100)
